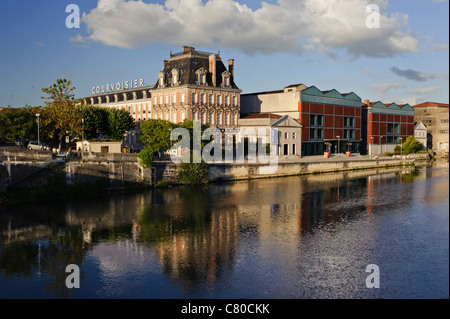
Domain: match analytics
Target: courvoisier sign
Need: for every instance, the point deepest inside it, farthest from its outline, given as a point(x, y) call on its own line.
point(112, 87)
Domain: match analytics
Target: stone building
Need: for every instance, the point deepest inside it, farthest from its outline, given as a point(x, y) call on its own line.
point(420, 133)
point(192, 85)
point(435, 116)
point(289, 131)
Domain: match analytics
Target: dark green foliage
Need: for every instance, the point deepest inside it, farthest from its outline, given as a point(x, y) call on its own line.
point(194, 173)
point(411, 145)
point(146, 156)
point(95, 121)
point(119, 122)
point(19, 123)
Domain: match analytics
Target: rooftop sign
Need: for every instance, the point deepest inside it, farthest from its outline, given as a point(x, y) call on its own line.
point(112, 87)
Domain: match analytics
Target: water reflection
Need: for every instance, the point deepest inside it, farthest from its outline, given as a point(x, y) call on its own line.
point(198, 239)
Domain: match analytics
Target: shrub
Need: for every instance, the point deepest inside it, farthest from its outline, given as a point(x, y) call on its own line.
point(194, 173)
point(397, 150)
point(412, 145)
point(146, 156)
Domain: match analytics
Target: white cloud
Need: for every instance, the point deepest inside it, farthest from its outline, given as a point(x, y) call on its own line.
point(425, 90)
point(383, 88)
point(40, 44)
point(289, 26)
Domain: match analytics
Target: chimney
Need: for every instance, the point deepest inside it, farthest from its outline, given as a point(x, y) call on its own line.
point(231, 67)
point(212, 68)
point(188, 49)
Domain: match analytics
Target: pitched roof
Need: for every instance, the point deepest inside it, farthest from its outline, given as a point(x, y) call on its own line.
point(261, 116)
point(425, 104)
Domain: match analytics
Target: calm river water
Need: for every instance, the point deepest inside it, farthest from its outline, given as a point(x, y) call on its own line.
point(296, 237)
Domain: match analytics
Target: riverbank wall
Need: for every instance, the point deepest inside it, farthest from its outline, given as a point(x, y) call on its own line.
point(29, 168)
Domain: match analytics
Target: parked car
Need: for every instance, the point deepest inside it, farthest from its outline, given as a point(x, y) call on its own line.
point(34, 145)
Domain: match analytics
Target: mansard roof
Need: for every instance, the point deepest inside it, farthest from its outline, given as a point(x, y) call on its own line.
point(189, 62)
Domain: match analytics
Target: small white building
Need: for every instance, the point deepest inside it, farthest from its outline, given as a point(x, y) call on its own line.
point(100, 147)
point(288, 131)
point(420, 133)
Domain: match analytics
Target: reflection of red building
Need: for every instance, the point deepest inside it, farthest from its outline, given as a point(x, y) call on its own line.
point(387, 125)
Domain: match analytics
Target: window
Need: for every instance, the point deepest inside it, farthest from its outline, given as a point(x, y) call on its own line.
point(202, 98)
point(286, 135)
point(294, 135)
point(286, 149)
point(218, 116)
point(316, 127)
point(349, 128)
point(293, 149)
point(393, 133)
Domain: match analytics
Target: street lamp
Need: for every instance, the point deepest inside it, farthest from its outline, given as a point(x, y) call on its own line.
point(339, 144)
point(381, 144)
point(371, 146)
point(37, 115)
point(401, 150)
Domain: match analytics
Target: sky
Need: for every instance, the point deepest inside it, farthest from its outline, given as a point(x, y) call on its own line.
point(400, 55)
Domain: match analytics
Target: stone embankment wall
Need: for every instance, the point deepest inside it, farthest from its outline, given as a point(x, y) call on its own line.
point(23, 168)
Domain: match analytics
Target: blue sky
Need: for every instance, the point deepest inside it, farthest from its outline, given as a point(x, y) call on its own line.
point(276, 43)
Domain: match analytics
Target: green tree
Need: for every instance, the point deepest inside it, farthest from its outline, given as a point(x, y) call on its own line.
point(154, 135)
point(19, 123)
point(95, 121)
point(411, 145)
point(119, 122)
point(62, 114)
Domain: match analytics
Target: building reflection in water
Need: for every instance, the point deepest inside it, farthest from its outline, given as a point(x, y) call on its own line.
point(195, 238)
point(194, 233)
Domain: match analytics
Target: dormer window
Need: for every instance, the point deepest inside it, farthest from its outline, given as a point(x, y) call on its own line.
point(161, 83)
point(175, 76)
point(201, 76)
point(226, 79)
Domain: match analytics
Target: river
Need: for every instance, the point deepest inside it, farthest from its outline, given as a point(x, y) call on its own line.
point(297, 237)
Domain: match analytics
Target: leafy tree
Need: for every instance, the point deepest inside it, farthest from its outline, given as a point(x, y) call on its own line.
point(154, 135)
point(95, 121)
point(119, 122)
point(411, 145)
point(19, 123)
point(62, 114)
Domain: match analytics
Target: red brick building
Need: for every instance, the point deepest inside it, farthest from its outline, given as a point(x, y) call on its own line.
point(326, 116)
point(387, 125)
point(329, 116)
